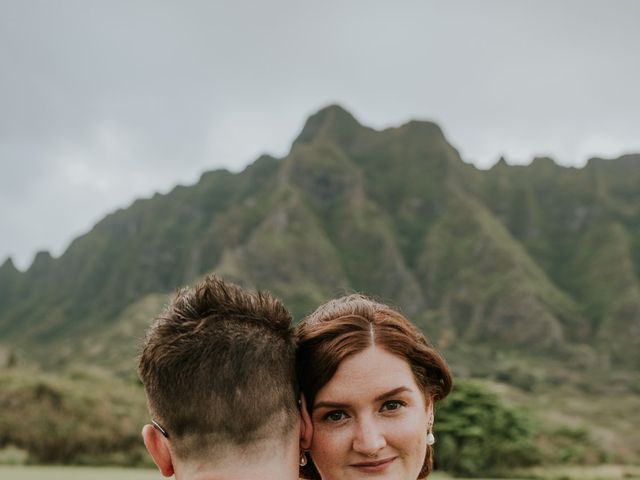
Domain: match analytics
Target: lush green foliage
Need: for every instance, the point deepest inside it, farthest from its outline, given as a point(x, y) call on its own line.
point(479, 435)
point(82, 417)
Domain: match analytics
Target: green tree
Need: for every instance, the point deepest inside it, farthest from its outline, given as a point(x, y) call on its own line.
point(478, 434)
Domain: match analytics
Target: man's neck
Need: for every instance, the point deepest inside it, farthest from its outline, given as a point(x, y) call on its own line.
point(247, 473)
point(270, 464)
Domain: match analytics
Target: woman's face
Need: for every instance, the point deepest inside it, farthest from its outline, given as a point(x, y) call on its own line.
point(370, 420)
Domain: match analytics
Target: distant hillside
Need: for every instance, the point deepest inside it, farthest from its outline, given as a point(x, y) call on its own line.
point(543, 259)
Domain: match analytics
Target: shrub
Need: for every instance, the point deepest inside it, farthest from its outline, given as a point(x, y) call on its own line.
point(479, 435)
point(58, 420)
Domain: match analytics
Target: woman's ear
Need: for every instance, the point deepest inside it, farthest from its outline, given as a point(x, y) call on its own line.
point(430, 409)
point(158, 449)
point(306, 427)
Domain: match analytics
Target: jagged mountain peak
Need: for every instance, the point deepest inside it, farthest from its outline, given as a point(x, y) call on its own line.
point(42, 258)
point(8, 266)
point(332, 121)
point(424, 129)
point(544, 162)
point(501, 163)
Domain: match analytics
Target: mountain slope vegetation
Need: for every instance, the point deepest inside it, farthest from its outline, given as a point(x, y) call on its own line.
point(540, 257)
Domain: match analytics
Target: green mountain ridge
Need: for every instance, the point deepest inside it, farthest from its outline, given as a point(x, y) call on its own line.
point(540, 258)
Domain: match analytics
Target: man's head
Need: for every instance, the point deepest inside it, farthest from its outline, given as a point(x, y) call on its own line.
point(218, 368)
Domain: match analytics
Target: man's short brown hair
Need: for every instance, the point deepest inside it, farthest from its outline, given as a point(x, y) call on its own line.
point(218, 368)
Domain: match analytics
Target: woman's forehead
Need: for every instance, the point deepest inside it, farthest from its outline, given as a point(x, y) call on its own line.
point(369, 374)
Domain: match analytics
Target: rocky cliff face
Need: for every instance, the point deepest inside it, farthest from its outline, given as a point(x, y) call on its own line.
point(541, 258)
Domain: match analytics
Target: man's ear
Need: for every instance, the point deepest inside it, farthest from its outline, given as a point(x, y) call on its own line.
point(158, 448)
point(306, 427)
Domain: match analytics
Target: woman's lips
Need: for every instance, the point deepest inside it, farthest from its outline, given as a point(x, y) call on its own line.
point(373, 467)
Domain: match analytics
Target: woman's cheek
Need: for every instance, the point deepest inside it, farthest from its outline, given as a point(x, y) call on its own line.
point(329, 444)
point(407, 434)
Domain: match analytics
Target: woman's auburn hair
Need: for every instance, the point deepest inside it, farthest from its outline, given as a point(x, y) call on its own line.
point(348, 325)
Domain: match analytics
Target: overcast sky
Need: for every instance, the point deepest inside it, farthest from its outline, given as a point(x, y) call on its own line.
point(102, 102)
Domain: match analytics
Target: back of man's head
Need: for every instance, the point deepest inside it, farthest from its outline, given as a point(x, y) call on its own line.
point(218, 367)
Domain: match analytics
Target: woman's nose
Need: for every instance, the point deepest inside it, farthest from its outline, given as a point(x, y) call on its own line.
point(369, 438)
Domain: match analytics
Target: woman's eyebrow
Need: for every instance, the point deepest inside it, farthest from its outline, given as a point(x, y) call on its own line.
point(393, 392)
point(390, 393)
point(330, 405)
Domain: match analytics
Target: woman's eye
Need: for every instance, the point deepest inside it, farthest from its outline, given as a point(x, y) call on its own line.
point(392, 405)
point(335, 416)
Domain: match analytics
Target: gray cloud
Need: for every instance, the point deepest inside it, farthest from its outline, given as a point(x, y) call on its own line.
point(103, 102)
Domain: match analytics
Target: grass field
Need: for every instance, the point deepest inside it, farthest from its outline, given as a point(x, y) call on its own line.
point(99, 473)
point(605, 472)
point(76, 473)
